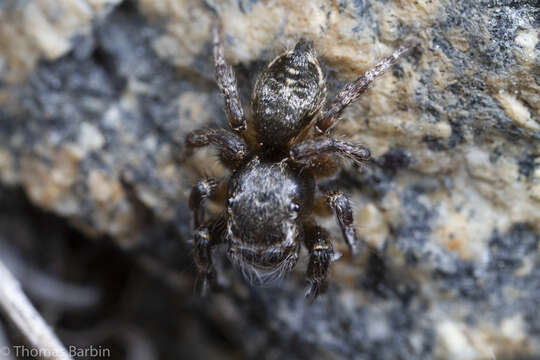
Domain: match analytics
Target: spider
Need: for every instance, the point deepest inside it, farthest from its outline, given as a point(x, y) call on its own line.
point(271, 193)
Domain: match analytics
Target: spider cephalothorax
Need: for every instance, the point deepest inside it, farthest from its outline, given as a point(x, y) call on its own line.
point(266, 204)
point(272, 189)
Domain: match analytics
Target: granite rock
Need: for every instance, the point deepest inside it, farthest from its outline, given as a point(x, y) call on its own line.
point(96, 97)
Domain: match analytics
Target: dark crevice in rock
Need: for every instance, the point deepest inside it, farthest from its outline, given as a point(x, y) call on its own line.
point(417, 216)
point(386, 282)
point(528, 165)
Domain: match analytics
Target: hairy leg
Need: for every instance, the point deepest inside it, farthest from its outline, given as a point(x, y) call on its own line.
point(205, 238)
point(352, 91)
point(203, 190)
point(341, 206)
point(226, 81)
point(232, 148)
point(320, 255)
point(310, 152)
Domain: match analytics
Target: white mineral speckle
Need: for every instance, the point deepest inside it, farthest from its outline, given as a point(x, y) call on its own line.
point(452, 337)
point(527, 41)
point(90, 138)
point(517, 111)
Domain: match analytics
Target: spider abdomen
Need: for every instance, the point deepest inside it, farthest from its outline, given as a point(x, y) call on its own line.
point(287, 96)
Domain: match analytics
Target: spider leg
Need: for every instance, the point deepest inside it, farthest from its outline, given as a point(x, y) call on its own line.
point(311, 152)
point(353, 90)
point(226, 81)
point(320, 255)
point(341, 206)
point(205, 238)
point(203, 190)
point(232, 148)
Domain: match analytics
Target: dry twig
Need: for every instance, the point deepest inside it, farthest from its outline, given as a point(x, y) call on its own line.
point(44, 288)
point(17, 308)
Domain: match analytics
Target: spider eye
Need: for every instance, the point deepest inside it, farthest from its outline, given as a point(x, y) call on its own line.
point(294, 207)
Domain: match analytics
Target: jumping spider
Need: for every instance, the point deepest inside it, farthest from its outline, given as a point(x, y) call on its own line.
point(271, 192)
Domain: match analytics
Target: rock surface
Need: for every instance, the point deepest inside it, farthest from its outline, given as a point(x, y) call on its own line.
point(96, 97)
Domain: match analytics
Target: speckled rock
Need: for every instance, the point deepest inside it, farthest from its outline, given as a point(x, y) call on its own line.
point(96, 97)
